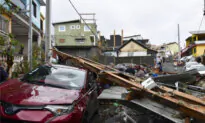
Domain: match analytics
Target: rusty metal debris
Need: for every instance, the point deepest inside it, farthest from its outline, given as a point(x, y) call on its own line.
point(189, 105)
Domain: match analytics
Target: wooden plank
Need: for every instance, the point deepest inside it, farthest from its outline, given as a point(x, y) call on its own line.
point(188, 104)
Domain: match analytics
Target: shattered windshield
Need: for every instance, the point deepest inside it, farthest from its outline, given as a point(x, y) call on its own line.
point(61, 77)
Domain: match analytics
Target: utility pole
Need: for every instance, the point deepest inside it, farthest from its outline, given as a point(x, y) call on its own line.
point(179, 54)
point(48, 31)
point(204, 7)
point(30, 36)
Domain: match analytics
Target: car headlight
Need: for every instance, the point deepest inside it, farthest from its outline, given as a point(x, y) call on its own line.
point(58, 109)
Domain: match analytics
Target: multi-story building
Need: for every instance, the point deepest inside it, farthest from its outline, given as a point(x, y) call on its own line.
point(195, 44)
point(18, 23)
point(76, 38)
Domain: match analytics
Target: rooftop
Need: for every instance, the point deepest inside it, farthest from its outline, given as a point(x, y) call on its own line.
point(63, 22)
point(197, 32)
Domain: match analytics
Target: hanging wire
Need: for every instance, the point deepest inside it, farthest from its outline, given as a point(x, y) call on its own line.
point(82, 18)
point(201, 24)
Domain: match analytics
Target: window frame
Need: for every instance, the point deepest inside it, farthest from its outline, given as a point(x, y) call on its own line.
point(72, 27)
point(4, 25)
point(34, 5)
point(86, 29)
point(80, 40)
point(59, 28)
point(77, 27)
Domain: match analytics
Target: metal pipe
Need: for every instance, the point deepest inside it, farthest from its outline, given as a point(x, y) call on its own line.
point(114, 45)
point(48, 30)
point(179, 54)
point(204, 7)
point(30, 36)
point(122, 33)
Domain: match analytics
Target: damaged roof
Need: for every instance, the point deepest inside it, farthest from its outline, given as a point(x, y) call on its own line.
point(137, 42)
point(63, 22)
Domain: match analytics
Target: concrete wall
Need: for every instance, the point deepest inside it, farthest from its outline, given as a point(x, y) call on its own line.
point(200, 49)
point(149, 60)
point(24, 40)
point(126, 54)
point(69, 35)
point(91, 53)
point(174, 48)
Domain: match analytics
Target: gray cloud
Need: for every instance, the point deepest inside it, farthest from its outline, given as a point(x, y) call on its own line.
point(154, 19)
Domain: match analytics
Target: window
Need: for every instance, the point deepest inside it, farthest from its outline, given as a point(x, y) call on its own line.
point(77, 27)
point(80, 40)
point(41, 22)
point(72, 27)
point(61, 40)
point(4, 25)
point(86, 28)
point(92, 39)
point(34, 9)
point(62, 28)
point(194, 50)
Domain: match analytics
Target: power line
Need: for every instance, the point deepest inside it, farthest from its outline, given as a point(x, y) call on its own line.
point(201, 23)
point(82, 19)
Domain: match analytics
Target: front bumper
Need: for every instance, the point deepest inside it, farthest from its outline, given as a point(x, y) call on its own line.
point(39, 116)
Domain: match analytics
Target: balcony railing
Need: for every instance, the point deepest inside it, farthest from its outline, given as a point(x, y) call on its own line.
point(19, 3)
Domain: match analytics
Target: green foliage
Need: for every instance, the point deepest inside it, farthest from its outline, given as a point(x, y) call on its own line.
point(2, 40)
point(11, 9)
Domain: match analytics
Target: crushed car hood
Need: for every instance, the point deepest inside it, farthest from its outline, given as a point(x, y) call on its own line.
point(20, 93)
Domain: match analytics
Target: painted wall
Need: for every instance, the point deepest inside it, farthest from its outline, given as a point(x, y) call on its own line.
point(127, 54)
point(36, 20)
point(199, 50)
point(132, 47)
point(173, 48)
point(67, 37)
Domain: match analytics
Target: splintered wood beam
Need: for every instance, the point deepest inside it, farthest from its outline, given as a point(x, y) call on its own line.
point(187, 104)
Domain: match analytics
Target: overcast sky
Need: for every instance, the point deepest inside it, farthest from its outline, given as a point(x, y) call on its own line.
point(154, 19)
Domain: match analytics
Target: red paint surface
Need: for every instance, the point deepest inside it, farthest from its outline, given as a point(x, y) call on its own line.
point(26, 94)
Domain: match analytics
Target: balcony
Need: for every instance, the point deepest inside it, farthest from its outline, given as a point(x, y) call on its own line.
point(20, 3)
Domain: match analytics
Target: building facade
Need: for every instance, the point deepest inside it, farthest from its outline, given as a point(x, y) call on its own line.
point(75, 33)
point(76, 38)
point(131, 48)
point(18, 23)
point(195, 44)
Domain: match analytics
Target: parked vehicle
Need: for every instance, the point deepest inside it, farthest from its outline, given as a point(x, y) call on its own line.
point(49, 94)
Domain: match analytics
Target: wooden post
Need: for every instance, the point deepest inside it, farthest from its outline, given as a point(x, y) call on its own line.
point(114, 45)
point(187, 120)
point(122, 33)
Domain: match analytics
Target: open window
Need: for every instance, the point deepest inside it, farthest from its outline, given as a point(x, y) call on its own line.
point(34, 9)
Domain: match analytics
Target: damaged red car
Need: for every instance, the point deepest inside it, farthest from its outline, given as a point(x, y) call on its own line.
point(49, 94)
